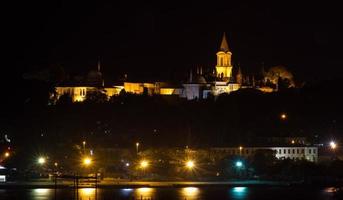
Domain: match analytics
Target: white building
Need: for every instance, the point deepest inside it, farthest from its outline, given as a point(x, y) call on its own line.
point(309, 153)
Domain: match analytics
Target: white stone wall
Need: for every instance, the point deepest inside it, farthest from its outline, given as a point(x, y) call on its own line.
point(294, 153)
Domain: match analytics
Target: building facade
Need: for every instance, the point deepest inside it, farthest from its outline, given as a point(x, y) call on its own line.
point(220, 80)
point(309, 153)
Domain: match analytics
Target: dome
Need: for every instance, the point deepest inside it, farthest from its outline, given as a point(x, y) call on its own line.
point(94, 75)
point(200, 79)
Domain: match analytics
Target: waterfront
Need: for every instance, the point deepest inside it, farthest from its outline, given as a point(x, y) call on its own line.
point(177, 193)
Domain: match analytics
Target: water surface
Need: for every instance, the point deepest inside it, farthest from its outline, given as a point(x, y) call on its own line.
point(184, 193)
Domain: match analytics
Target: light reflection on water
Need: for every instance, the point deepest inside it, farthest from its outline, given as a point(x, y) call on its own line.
point(42, 193)
point(145, 192)
point(126, 192)
point(190, 193)
point(239, 192)
point(87, 193)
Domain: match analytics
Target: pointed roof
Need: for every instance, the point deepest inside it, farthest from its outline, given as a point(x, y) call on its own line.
point(224, 46)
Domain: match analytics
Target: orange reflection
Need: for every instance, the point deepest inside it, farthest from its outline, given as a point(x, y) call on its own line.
point(145, 192)
point(87, 193)
point(190, 192)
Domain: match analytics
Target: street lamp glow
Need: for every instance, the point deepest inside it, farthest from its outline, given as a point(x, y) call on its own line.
point(144, 164)
point(87, 161)
point(240, 148)
point(41, 160)
point(137, 145)
point(333, 145)
point(190, 164)
point(7, 154)
point(56, 164)
point(283, 116)
point(239, 164)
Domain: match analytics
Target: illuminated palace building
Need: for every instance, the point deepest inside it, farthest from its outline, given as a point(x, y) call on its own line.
point(221, 80)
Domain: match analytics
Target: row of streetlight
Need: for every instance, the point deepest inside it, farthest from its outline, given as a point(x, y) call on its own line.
point(189, 164)
point(86, 161)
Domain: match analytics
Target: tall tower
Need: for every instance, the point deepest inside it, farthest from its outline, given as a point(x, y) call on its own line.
point(239, 76)
point(224, 67)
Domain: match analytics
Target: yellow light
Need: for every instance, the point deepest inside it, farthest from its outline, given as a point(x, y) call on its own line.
point(333, 145)
point(7, 154)
point(167, 91)
point(283, 116)
point(240, 148)
point(84, 142)
point(144, 164)
point(293, 141)
point(87, 193)
point(190, 192)
point(144, 192)
point(87, 161)
point(137, 144)
point(41, 160)
point(56, 164)
point(190, 164)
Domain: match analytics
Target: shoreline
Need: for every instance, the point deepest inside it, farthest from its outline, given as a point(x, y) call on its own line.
point(138, 184)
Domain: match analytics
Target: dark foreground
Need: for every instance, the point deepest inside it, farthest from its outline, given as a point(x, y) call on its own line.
point(178, 193)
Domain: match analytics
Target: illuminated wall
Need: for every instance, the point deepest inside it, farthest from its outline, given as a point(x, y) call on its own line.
point(78, 94)
point(167, 91)
point(113, 90)
point(266, 89)
point(224, 67)
point(171, 91)
point(138, 88)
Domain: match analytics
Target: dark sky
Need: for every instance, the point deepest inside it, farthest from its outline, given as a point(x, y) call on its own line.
point(165, 39)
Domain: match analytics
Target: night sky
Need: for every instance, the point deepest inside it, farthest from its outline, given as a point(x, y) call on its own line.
point(164, 40)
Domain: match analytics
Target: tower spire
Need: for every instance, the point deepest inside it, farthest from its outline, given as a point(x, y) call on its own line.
point(239, 76)
point(99, 64)
point(224, 46)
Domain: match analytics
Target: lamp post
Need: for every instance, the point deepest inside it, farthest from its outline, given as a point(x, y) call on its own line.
point(41, 161)
point(333, 146)
point(144, 164)
point(190, 164)
point(87, 161)
point(137, 145)
point(239, 165)
point(84, 146)
point(283, 116)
